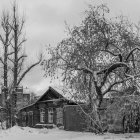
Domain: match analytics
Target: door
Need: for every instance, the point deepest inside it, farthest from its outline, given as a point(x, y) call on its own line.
point(59, 116)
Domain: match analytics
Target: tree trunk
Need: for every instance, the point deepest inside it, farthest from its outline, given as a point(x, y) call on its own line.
point(5, 68)
point(100, 99)
point(15, 49)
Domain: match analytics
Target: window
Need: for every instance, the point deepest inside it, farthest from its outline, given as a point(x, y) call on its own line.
point(24, 119)
point(50, 115)
point(42, 115)
point(28, 118)
point(23, 116)
point(31, 117)
point(59, 116)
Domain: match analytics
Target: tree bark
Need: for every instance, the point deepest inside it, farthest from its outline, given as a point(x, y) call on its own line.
point(15, 48)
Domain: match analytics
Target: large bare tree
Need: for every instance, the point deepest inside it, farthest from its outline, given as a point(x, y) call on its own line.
point(18, 57)
point(5, 39)
point(13, 58)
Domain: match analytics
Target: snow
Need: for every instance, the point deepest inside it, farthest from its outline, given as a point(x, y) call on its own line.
point(26, 133)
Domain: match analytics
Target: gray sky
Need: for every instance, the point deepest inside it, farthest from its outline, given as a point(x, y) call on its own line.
point(45, 25)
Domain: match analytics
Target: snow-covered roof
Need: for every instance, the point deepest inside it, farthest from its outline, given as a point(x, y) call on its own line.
point(63, 95)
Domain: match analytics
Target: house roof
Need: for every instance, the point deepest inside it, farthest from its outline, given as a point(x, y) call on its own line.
point(69, 94)
point(58, 95)
point(26, 106)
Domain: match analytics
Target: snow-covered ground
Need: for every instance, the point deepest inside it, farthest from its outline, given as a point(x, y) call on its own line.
point(26, 133)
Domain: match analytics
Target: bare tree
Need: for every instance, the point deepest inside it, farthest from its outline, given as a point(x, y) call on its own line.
point(12, 38)
point(5, 39)
point(19, 56)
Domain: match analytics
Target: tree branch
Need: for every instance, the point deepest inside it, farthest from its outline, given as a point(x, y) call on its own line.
point(20, 66)
point(28, 69)
point(11, 60)
point(85, 70)
point(112, 67)
point(21, 42)
point(10, 53)
point(2, 39)
point(109, 52)
point(107, 71)
point(130, 53)
point(2, 61)
point(23, 56)
point(119, 82)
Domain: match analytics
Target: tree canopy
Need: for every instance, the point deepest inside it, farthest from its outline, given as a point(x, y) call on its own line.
point(98, 56)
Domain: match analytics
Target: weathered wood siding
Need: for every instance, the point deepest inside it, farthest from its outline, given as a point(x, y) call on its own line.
point(74, 120)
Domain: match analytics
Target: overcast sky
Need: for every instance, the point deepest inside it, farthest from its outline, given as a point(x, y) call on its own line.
point(45, 25)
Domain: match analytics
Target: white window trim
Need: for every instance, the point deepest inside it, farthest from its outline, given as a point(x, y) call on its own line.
point(24, 116)
point(59, 115)
point(42, 115)
point(31, 112)
point(50, 115)
point(31, 115)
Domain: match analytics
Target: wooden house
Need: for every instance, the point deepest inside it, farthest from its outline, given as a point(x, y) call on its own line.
point(54, 109)
point(47, 111)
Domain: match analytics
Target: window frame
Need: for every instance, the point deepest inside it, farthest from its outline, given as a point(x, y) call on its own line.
point(50, 115)
point(59, 115)
point(42, 115)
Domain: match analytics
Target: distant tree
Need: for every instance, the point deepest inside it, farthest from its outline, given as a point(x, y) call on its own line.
point(19, 56)
point(99, 57)
point(13, 58)
point(5, 38)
